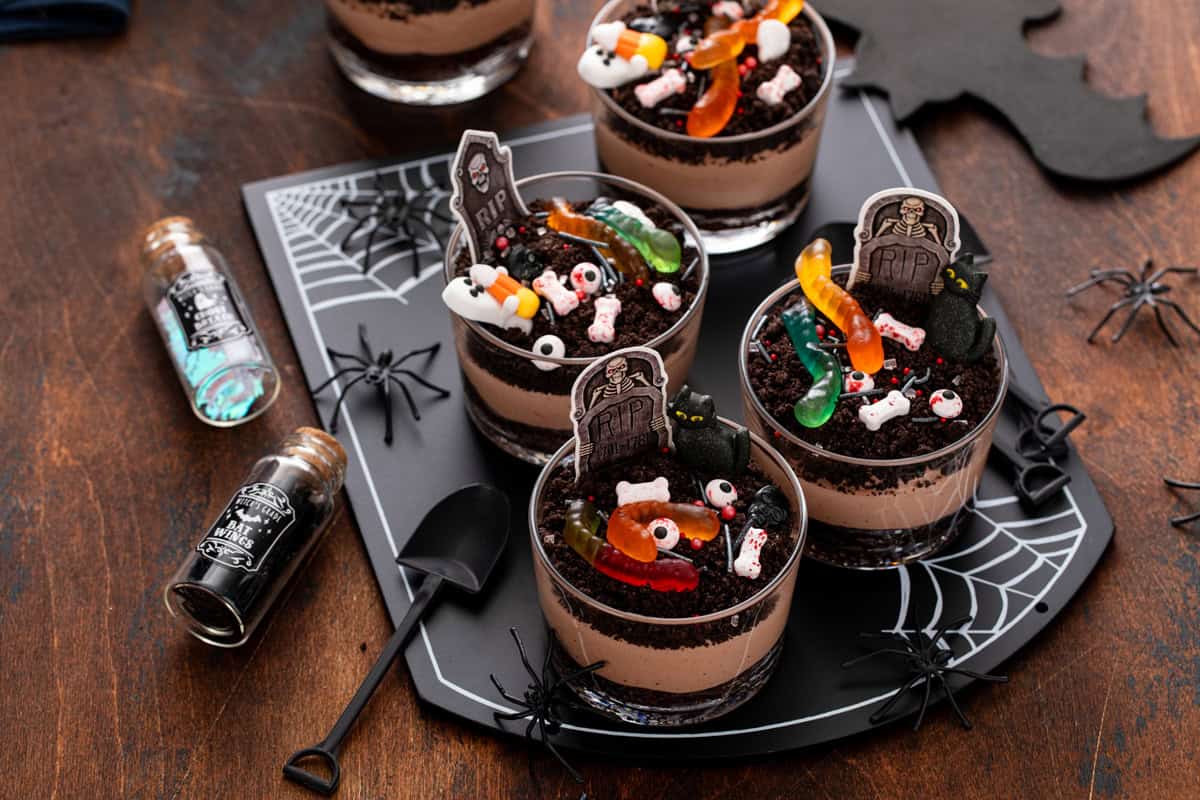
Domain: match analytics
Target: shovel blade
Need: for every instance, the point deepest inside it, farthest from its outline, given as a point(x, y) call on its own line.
point(461, 538)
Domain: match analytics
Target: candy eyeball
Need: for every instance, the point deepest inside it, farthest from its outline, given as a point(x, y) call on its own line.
point(668, 296)
point(551, 346)
point(665, 532)
point(859, 382)
point(585, 277)
point(720, 493)
point(946, 403)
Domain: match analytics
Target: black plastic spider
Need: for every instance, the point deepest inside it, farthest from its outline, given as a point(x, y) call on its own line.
point(1143, 289)
point(1183, 519)
point(541, 702)
point(928, 661)
point(381, 372)
point(394, 211)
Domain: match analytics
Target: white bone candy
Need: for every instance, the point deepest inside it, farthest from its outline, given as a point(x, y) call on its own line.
point(665, 531)
point(586, 278)
point(658, 490)
point(685, 44)
point(748, 564)
point(603, 327)
point(773, 40)
point(859, 382)
point(720, 493)
point(889, 327)
point(650, 94)
point(728, 8)
point(667, 295)
point(563, 300)
point(946, 403)
point(549, 345)
point(890, 407)
point(771, 92)
point(470, 300)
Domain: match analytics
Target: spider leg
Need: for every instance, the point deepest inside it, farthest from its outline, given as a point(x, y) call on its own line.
point(524, 656)
point(888, 651)
point(1178, 484)
point(882, 713)
point(966, 723)
point(430, 351)
point(429, 229)
point(332, 378)
point(341, 399)
point(408, 396)
point(979, 676)
point(1178, 310)
point(1162, 323)
point(511, 716)
point(1180, 521)
point(1137, 306)
point(1096, 280)
point(335, 354)
point(924, 705)
point(410, 240)
point(554, 752)
point(1117, 306)
point(366, 268)
point(504, 693)
point(431, 387)
point(1162, 273)
point(366, 343)
point(385, 390)
point(958, 623)
point(346, 239)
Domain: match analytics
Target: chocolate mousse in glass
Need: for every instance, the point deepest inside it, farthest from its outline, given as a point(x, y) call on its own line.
point(518, 381)
point(670, 657)
point(430, 52)
point(747, 182)
point(883, 498)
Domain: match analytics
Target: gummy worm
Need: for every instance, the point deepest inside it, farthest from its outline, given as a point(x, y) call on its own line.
point(665, 575)
point(813, 268)
point(815, 408)
point(629, 530)
point(660, 248)
point(728, 44)
point(623, 255)
point(715, 107)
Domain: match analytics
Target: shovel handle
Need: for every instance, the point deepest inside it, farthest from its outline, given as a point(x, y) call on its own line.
point(315, 783)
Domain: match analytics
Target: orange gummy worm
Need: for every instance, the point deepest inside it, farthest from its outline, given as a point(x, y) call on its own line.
point(714, 108)
point(813, 267)
point(629, 531)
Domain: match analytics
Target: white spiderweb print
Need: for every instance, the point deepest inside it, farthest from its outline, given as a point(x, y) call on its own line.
point(327, 240)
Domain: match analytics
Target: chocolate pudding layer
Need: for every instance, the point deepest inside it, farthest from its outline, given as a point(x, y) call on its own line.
point(521, 401)
point(431, 27)
point(876, 499)
point(670, 657)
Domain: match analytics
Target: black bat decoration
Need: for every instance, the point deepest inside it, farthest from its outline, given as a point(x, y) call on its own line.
point(933, 51)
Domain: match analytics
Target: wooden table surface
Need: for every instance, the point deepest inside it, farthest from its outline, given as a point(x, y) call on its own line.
point(106, 478)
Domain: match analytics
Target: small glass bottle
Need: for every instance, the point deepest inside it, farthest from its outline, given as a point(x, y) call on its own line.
point(233, 576)
point(212, 340)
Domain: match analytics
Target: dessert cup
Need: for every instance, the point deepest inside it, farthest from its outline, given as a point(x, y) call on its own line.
point(877, 513)
point(522, 401)
point(741, 190)
point(664, 671)
point(430, 53)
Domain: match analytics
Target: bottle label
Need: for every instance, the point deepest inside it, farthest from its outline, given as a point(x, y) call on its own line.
point(249, 527)
point(206, 310)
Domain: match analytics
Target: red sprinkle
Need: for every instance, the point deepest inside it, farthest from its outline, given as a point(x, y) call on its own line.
point(907, 370)
point(751, 62)
point(742, 70)
point(502, 242)
point(639, 282)
point(895, 379)
point(940, 362)
point(699, 503)
point(591, 498)
point(521, 229)
point(919, 392)
point(581, 294)
point(696, 543)
point(774, 356)
point(728, 513)
point(778, 435)
point(820, 331)
point(666, 450)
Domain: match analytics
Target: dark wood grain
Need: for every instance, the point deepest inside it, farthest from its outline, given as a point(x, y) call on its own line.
point(106, 478)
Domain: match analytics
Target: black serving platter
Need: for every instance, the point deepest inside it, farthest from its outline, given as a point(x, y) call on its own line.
point(1012, 571)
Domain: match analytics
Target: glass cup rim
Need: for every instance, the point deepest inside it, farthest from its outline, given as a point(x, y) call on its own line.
point(453, 244)
point(830, 55)
point(748, 391)
point(801, 533)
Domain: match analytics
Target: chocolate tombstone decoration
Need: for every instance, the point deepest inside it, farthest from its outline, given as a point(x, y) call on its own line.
point(903, 241)
point(619, 408)
point(485, 195)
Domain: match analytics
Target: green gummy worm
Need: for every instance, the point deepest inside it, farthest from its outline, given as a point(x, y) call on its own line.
point(660, 248)
point(815, 408)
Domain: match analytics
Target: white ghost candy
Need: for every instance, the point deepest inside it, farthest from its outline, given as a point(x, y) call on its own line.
point(563, 300)
point(586, 278)
point(666, 532)
point(720, 493)
point(946, 403)
point(859, 382)
point(606, 70)
point(889, 327)
point(653, 92)
point(773, 91)
point(668, 296)
point(470, 300)
point(773, 40)
point(658, 490)
point(890, 407)
point(748, 564)
point(603, 327)
point(549, 345)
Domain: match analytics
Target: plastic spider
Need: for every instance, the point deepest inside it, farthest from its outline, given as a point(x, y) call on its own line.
point(1184, 519)
point(928, 661)
point(541, 701)
point(394, 211)
point(1143, 289)
point(380, 371)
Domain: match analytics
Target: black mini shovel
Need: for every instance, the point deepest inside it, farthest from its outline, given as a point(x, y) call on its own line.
point(459, 540)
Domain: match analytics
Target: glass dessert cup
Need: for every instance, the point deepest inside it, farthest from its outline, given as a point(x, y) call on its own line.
point(519, 404)
point(742, 190)
point(877, 513)
point(445, 52)
point(664, 671)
